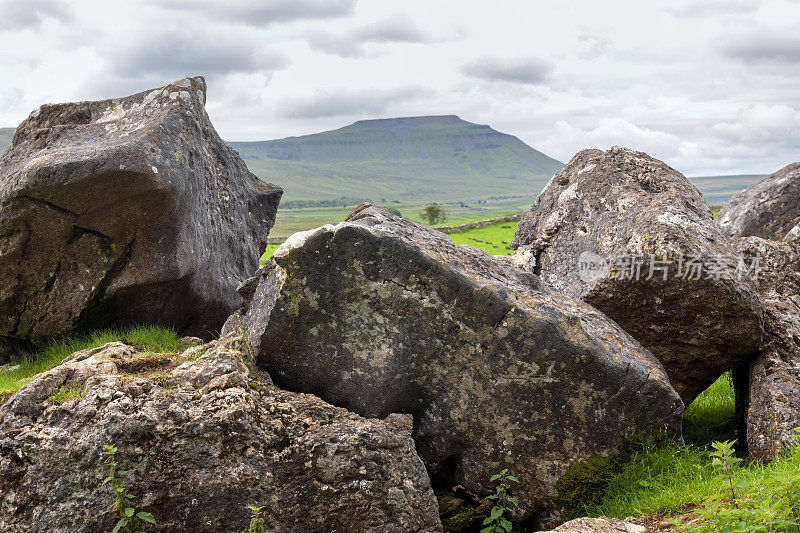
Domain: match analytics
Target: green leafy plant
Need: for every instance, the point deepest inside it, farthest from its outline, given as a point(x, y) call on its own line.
point(504, 504)
point(256, 522)
point(723, 458)
point(131, 520)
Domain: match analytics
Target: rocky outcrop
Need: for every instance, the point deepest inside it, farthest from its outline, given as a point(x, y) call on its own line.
point(379, 315)
point(773, 408)
point(631, 236)
point(124, 211)
point(770, 209)
point(202, 441)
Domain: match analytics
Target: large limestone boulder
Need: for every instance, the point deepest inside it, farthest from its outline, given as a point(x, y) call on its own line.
point(770, 209)
point(202, 441)
point(380, 315)
point(773, 408)
point(634, 238)
point(122, 211)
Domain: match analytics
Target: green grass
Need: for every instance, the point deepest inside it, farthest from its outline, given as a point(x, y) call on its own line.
point(146, 338)
point(681, 480)
point(64, 394)
point(268, 253)
point(495, 239)
point(712, 415)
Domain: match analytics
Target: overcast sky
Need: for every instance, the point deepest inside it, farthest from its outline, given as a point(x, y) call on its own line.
point(709, 87)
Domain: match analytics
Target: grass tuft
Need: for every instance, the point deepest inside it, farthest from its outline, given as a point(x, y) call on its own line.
point(64, 394)
point(146, 338)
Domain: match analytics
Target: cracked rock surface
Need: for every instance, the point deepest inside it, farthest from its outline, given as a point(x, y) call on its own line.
point(773, 408)
point(124, 211)
point(381, 315)
point(770, 209)
point(666, 274)
point(202, 440)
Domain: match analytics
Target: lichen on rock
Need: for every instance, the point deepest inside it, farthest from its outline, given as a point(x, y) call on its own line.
point(664, 272)
point(125, 211)
point(380, 315)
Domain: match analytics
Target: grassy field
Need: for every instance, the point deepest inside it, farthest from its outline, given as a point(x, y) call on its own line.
point(494, 239)
point(289, 221)
point(717, 189)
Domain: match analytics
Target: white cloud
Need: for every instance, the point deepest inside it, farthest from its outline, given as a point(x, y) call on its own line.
point(616, 131)
point(758, 123)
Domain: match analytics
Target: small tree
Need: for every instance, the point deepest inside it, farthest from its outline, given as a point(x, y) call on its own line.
point(433, 213)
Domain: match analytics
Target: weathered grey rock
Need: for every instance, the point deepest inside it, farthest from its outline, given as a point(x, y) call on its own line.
point(202, 442)
point(770, 209)
point(382, 315)
point(620, 208)
point(123, 211)
point(773, 409)
point(598, 525)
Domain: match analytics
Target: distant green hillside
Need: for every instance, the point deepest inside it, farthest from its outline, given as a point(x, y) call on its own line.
point(717, 189)
point(436, 158)
point(6, 134)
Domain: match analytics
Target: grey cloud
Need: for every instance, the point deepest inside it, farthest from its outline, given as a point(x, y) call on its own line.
point(182, 53)
point(263, 13)
point(764, 45)
point(393, 30)
point(26, 14)
point(398, 29)
point(340, 45)
point(145, 62)
point(531, 70)
point(341, 102)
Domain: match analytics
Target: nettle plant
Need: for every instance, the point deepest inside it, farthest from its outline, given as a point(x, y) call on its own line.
point(760, 498)
point(723, 458)
point(256, 522)
point(130, 520)
point(504, 504)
